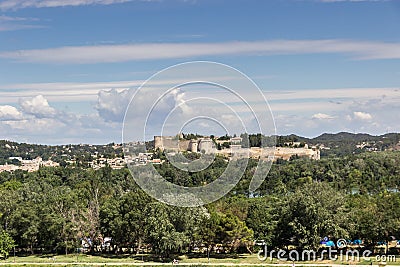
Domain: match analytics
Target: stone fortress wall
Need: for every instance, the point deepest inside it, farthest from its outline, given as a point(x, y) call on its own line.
point(206, 145)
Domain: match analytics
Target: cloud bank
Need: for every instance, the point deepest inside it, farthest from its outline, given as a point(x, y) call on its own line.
point(28, 114)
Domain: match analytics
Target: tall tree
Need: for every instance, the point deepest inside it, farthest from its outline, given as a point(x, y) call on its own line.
point(313, 211)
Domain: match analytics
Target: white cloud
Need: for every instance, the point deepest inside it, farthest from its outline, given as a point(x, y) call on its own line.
point(36, 121)
point(112, 104)
point(322, 116)
point(361, 50)
point(37, 106)
point(362, 115)
point(9, 113)
point(61, 130)
point(19, 4)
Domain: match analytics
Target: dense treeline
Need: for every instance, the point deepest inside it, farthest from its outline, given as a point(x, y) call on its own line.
point(300, 202)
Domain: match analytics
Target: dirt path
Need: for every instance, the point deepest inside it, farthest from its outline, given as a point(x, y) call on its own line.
point(180, 264)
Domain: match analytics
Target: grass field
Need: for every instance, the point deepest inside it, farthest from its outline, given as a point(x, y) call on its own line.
point(144, 260)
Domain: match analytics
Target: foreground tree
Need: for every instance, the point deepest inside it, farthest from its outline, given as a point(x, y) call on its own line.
point(314, 211)
point(6, 244)
point(123, 220)
point(161, 232)
point(263, 217)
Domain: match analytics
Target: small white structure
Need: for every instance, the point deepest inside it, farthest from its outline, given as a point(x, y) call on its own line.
point(236, 140)
point(193, 146)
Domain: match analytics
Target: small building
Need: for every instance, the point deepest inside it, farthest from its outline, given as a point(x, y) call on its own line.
point(206, 145)
point(193, 146)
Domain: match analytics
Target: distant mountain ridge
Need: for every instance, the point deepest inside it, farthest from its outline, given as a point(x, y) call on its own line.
point(354, 137)
point(344, 136)
point(343, 143)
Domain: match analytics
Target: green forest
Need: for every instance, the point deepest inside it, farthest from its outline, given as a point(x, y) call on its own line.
point(67, 209)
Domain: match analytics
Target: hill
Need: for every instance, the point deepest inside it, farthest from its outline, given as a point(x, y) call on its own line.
point(337, 144)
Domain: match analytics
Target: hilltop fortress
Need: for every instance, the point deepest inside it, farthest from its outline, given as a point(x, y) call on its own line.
point(172, 143)
point(226, 146)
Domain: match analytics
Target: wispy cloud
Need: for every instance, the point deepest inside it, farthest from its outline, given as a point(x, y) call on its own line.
point(15, 27)
point(322, 116)
point(88, 91)
point(64, 92)
point(9, 23)
point(359, 50)
point(19, 4)
point(8, 18)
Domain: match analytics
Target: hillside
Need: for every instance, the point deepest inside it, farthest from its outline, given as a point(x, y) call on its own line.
point(338, 144)
point(81, 153)
point(344, 143)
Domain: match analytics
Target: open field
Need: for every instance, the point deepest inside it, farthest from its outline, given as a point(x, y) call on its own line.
point(127, 260)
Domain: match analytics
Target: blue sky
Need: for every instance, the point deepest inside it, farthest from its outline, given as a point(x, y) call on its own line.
point(324, 65)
